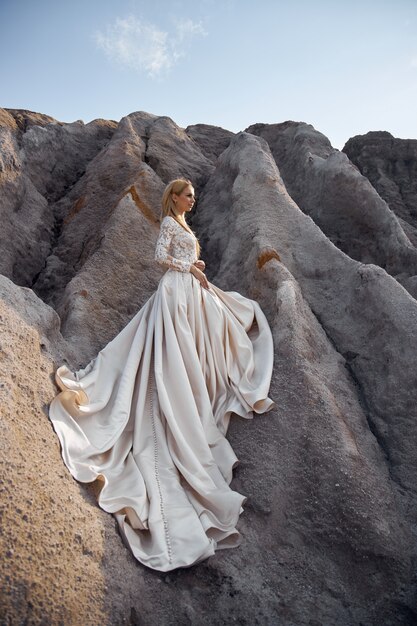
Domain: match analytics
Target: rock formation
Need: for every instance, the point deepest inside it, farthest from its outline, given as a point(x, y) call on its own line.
point(390, 164)
point(345, 205)
point(330, 474)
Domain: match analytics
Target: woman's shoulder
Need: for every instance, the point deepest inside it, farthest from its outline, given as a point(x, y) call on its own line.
point(169, 221)
point(170, 224)
point(166, 226)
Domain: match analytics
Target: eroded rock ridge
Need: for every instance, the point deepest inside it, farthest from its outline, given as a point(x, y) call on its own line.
point(326, 242)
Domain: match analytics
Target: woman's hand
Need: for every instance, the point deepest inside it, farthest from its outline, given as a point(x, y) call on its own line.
point(200, 265)
point(199, 275)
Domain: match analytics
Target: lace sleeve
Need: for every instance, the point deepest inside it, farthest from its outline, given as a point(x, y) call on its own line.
point(163, 245)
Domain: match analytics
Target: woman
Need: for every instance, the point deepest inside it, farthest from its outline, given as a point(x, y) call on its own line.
point(148, 416)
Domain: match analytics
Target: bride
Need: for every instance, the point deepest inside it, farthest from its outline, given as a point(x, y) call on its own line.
point(149, 414)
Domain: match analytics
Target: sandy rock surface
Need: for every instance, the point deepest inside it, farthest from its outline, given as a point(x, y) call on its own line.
point(52, 538)
point(329, 525)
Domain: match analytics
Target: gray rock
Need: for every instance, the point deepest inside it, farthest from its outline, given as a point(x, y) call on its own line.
point(342, 202)
point(330, 474)
point(172, 154)
point(167, 148)
point(26, 218)
point(115, 280)
point(103, 258)
point(335, 376)
point(55, 156)
point(213, 140)
point(391, 166)
point(350, 299)
point(41, 160)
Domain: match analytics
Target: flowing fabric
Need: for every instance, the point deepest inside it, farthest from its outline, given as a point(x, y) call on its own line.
point(150, 413)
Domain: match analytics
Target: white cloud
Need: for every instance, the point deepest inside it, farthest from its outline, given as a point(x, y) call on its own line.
point(144, 47)
point(188, 28)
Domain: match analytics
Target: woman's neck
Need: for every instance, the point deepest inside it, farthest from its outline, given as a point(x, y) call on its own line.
point(180, 215)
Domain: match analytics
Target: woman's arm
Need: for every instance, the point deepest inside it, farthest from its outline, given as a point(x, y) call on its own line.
point(162, 255)
point(195, 271)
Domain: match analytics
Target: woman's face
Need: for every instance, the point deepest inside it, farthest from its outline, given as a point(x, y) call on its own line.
point(184, 201)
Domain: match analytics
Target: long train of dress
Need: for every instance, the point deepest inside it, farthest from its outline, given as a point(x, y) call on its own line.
point(149, 415)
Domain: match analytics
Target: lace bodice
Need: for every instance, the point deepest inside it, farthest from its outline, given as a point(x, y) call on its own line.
point(175, 247)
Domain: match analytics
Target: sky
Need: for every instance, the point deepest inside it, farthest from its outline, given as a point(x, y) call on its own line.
point(345, 66)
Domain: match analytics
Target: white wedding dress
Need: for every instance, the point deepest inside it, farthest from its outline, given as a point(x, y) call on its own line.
point(149, 414)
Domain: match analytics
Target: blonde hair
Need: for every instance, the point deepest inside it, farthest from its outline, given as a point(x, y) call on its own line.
point(176, 186)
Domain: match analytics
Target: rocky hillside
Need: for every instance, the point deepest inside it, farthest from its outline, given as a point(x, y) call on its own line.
point(326, 242)
point(391, 166)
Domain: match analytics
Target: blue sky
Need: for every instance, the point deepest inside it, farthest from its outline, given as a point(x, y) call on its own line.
point(344, 66)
